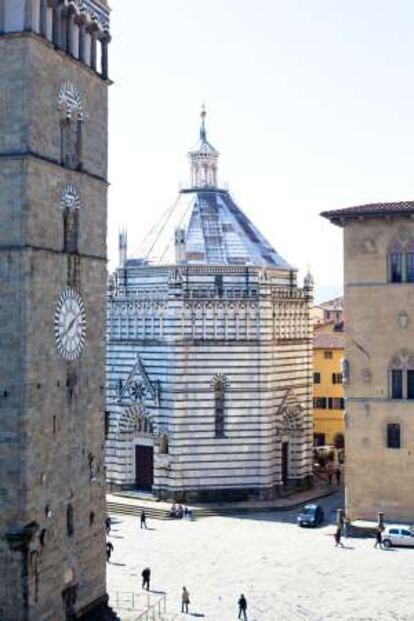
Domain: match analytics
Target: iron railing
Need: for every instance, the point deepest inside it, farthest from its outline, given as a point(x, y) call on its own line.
point(154, 611)
point(132, 602)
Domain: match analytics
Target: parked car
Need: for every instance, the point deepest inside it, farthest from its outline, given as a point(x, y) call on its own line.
point(398, 535)
point(310, 515)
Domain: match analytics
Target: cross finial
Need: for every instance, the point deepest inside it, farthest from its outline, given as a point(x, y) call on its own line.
point(203, 133)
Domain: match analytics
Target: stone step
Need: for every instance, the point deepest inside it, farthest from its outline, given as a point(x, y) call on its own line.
point(154, 513)
point(122, 508)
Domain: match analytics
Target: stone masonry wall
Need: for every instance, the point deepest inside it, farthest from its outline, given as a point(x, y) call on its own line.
point(51, 411)
point(377, 478)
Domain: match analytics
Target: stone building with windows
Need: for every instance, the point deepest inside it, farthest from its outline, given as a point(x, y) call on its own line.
point(209, 356)
point(53, 199)
point(379, 369)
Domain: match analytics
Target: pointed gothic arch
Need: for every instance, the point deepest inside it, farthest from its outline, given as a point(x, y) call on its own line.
point(136, 420)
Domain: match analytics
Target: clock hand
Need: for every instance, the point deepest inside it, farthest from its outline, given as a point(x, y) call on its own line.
point(70, 326)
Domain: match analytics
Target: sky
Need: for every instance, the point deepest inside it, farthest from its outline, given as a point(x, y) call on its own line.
point(309, 102)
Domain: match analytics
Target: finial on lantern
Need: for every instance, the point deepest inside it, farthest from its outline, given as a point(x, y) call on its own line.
point(203, 132)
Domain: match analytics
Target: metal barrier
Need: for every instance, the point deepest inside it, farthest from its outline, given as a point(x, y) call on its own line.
point(131, 602)
point(154, 612)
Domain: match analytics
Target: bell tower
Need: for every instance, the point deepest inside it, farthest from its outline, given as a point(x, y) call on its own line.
point(53, 204)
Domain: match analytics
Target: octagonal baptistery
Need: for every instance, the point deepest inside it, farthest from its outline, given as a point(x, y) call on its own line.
point(209, 355)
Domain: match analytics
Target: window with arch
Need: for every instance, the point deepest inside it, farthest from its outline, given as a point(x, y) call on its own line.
point(219, 414)
point(164, 448)
point(401, 261)
point(402, 376)
point(219, 385)
point(70, 528)
point(70, 204)
point(393, 436)
point(71, 127)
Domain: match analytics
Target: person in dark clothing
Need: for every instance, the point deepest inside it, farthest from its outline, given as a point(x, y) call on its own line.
point(108, 524)
point(329, 473)
point(109, 550)
point(242, 607)
point(338, 475)
point(378, 538)
point(337, 537)
point(185, 600)
point(143, 520)
point(146, 575)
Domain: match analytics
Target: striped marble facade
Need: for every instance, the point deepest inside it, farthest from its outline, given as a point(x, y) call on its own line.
point(209, 365)
point(171, 336)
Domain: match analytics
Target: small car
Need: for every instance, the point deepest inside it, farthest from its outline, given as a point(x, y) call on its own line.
point(310, 515)
point(398, 535)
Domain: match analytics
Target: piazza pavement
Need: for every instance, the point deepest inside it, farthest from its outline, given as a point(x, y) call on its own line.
point(286, 573)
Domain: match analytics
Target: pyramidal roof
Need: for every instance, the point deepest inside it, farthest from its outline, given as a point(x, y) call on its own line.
point(205, 226)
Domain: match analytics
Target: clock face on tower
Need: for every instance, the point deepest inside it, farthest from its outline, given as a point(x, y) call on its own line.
point(70, 324)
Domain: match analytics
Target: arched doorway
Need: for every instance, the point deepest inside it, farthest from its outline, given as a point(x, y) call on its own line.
point(136, 430)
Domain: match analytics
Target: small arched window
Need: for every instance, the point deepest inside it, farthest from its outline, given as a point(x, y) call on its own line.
point(70, 529)
point(70, 205)
point(164, 444)
point(393, 436)
point(71, 143)
point(71, 126)
point(70, 230)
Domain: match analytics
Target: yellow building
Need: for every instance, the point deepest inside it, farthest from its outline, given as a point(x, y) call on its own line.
point(328, 391)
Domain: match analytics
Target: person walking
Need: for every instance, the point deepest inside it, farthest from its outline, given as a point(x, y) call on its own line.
point(143, 519)
point(185, 600)
point(242, 607)
point(329, 473)
point(337, 537)
point(108, 524)
point(109, 550)
point(146, 576)
point(338, 475)
point(378, 537)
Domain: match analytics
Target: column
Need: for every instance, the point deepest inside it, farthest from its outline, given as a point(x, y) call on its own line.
point(28, 15)
point(57, 20)
point(105, 42)
point(69, 32)
point(82, 33)
point(43, 18)
point(2, 16)
point(94, 43)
